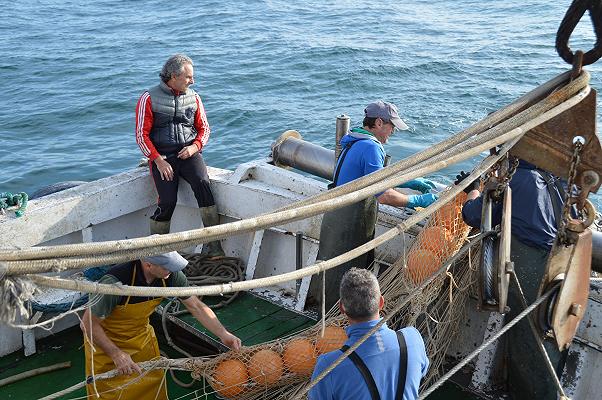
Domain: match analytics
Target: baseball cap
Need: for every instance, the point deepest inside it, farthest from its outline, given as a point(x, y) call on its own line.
point(171, 261)
point(386, 111)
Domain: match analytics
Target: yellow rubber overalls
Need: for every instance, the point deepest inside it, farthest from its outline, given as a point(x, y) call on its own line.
point(129, 328)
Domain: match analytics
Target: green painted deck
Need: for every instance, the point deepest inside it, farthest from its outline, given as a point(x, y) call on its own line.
point(252, 319)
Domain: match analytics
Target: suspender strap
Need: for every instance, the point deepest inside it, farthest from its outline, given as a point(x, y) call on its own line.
point(340, 163)
point(550, 181)
point(357, 361)
point(403, 365)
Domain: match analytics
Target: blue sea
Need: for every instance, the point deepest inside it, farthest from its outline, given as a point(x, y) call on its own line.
point(72, 71)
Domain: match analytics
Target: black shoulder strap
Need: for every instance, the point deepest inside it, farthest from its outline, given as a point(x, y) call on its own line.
point(403, 365)
point(359, 364)
point(340, 163)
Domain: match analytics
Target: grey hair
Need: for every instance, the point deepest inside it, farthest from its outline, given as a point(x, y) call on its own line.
point(174, 66)
point(360, 293)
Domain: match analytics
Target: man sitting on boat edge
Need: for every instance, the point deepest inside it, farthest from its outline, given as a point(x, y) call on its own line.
point(387, 373)
point(117, 332)
point(172, 131)
point(351, 226)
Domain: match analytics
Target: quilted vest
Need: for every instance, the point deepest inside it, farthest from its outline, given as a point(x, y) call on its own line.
point(173, 125)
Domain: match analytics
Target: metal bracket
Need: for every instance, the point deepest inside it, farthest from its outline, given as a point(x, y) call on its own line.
point(549, 146)
point(571, 264)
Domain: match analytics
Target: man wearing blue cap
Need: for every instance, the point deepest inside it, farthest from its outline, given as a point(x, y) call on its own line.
point(118, 335)
point(352, 226)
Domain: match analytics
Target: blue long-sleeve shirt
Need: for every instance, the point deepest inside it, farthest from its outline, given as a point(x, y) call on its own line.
point(380, 353)
point(533, 219)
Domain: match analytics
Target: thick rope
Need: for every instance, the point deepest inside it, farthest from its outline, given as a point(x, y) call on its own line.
point(124, 290)
point(472, 147)
point(225, 288)
point(485, 124)
point(203, 270)
point(214, 233)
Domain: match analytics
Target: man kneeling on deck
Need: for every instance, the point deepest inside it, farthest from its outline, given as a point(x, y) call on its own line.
point(118, 335)
point(388, 365)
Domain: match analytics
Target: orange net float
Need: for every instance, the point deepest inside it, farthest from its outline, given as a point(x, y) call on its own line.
point(334, 337)
point(438, 240)
point(300, 356)
point(450, 215)
point(266, 367)
point(421, 264)
point(229, 378)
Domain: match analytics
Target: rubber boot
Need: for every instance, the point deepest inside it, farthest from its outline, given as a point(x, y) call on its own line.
point(210, 217)
point(159, 227)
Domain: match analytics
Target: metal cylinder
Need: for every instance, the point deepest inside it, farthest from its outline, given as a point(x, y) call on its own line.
point(304, 156)
point(343, 124)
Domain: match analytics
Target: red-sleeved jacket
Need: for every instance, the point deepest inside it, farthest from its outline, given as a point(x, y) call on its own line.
point(144, 124)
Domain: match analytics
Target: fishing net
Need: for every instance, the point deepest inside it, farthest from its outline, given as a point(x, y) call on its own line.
point(280, 368)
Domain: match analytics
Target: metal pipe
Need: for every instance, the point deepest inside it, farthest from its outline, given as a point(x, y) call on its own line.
point(343, 124)
point(305, 156)
point(298, 258)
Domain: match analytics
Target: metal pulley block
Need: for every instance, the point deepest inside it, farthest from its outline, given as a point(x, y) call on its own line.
point(571, 265)
point(495, 265)
point(549, 146)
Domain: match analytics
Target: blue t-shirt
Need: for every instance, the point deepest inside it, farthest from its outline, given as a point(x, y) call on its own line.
point(367, 155)
point(380, 353)
point(533, 219)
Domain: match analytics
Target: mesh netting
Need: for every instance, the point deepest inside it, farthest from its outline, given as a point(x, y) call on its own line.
point(255, 370)
point(280, 368)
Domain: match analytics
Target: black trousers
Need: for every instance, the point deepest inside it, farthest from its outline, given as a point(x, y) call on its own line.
point(194, 171)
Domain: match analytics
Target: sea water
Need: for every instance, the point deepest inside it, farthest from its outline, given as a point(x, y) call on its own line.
point(71, 73)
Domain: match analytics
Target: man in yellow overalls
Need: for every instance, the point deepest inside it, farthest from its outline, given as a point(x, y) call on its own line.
point(118, 335)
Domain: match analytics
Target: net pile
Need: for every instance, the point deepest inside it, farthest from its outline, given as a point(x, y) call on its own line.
point(280, 368)
point(257, 370)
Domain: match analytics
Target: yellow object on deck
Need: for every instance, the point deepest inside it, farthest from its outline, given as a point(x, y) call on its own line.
point(129, 328)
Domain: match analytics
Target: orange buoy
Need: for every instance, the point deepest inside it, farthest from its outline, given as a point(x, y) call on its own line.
point(229, 378)
point(438, 240)
point(334, 337)
point(300, 356)
point(265, 367)
point(449, 216)
point(421, 264)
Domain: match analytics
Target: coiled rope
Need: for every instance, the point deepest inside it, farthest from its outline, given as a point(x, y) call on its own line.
point(17, 202)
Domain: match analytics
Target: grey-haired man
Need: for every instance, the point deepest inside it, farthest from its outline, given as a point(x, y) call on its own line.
point(393, 363)
point(172, 131)
point(118, 334)
point(352, 226)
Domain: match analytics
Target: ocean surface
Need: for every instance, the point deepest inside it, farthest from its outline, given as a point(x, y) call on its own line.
point(71, 73)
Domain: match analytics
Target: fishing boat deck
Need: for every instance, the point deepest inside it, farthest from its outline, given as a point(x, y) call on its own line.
point(252, 319)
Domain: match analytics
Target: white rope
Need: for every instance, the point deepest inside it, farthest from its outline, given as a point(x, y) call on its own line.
point(513, 135)
point(170, 241)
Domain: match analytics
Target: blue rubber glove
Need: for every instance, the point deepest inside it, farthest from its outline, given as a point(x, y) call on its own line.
point(421, 200)
point(420, 184)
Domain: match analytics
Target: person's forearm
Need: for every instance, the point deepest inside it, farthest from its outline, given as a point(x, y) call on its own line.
point(392, 197)
point(96, 335)
point(206, 317)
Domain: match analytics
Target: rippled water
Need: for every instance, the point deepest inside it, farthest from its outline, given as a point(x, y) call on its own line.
point(71, 73)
